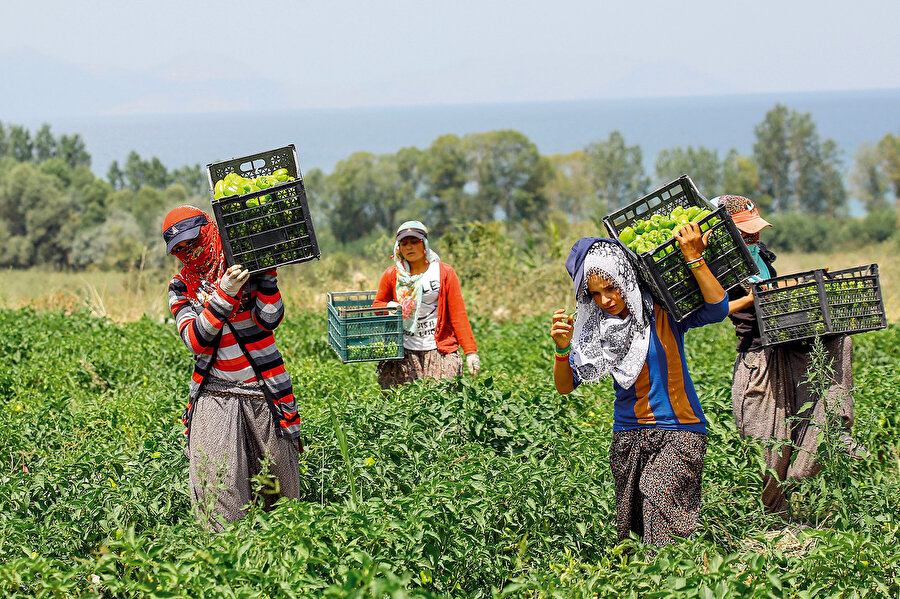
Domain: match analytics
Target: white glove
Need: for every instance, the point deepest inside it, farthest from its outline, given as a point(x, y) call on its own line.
point(233, 279)
point(474, 364)
point(392, 305)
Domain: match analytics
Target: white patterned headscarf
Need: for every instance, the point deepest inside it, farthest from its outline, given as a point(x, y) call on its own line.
point(604, 344)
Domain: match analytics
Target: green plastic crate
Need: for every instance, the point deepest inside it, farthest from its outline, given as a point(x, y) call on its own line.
point(358, 332)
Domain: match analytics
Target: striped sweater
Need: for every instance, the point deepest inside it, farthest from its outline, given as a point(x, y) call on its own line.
point(208, 331)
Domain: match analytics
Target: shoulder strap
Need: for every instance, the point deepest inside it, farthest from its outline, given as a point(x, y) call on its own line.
point(270, 398)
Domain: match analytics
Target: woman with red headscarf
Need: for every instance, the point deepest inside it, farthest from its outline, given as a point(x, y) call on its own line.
point(241, 408)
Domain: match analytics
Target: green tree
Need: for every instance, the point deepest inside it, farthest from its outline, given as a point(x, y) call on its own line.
point(509, 173)
point(115, 176)
point(796, 169)
point(889, 147)
point(19, 143)
point(315, 184)
point(39, 220)
point(357, 186)
point(139, 173)
point(116, 243)
point(617, 172)
point(870, 182)
point(192, 178)
point(72, 150)
point(412, 165)
point(570, 190)
point(44, 144)
point(702, 164)
point(446, 169)
point(94, 199)
point(741, 177)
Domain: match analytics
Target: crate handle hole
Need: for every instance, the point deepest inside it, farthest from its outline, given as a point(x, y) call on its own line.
point(253, 166)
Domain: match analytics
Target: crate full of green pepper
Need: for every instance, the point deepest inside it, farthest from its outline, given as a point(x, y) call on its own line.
point(646, 228)
point(804, 305)
point(359, 332)
point(260, 205)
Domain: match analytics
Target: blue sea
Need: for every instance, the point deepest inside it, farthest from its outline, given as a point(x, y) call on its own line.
point(325, 136)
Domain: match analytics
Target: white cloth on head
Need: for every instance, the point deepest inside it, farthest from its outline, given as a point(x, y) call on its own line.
point(604, 344)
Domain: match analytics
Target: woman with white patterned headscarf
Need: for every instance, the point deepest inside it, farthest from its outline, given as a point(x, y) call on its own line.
point(659, 430)
point(435, 322)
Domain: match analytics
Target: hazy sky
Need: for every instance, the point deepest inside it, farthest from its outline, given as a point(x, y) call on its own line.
point(364, 53)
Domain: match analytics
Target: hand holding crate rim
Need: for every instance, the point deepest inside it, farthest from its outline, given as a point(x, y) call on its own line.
point(662, 269)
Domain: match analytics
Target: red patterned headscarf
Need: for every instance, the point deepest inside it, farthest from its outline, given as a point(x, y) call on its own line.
point(204, 259)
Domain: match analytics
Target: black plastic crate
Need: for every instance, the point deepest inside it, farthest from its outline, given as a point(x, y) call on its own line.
point(267, 228)
point(358, 332)
point(254, 165)
point(663, 269)
point(817, 302)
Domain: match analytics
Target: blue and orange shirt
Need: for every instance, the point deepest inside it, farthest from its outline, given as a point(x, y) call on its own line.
point(663, 395)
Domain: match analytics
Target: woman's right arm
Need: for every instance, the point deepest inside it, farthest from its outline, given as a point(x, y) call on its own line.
point(561, 331)
point(741, 303)
point(199, 331)
point(385, 291)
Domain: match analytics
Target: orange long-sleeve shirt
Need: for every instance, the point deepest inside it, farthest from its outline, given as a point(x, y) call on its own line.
point(453, 329)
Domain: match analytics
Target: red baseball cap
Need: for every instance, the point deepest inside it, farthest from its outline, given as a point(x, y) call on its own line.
point(744, 213)
point(182, 223)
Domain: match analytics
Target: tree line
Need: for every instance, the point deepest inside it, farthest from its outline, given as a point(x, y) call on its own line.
point(55, 212)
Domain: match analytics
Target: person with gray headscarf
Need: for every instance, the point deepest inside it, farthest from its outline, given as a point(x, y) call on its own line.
point(659, 430)
point(435, 322)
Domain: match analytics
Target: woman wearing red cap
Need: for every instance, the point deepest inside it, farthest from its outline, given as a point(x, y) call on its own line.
point(768, 390)
point(435, 322)
point(241, 407)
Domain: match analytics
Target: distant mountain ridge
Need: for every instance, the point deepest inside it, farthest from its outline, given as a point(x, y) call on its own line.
point(44, 87)
point(39, 85)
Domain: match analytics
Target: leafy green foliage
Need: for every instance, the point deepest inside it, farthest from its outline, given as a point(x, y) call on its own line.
point(492, 487)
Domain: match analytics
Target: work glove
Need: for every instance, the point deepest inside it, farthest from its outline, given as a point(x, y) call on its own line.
point(474, 364)
point(233, 280)
point(392, 305)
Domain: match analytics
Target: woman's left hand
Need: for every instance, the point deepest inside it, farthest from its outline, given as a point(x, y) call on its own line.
point(692, 241)
point(474, 364)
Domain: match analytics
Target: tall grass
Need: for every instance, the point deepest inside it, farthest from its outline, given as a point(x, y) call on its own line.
point(499, 280)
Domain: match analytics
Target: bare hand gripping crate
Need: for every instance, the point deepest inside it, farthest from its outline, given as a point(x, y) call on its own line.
point(817, 302)
point(663, 269)
point(267, 228)
point(358, 332)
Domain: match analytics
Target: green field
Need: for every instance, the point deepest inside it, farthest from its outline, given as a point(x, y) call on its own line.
point(492, 487)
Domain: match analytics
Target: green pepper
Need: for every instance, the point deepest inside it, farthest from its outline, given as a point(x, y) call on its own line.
point(231, 188)
point(627, 235)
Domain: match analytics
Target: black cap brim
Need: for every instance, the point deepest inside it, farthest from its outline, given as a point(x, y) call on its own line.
point(182, 236)
point(417, 233)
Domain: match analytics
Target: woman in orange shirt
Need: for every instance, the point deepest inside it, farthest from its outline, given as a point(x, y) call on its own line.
point(435, 323)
